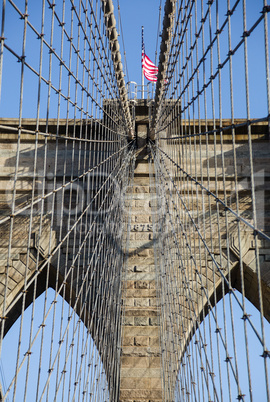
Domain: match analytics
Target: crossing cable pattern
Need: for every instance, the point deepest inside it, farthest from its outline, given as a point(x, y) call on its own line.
point(210, 173)
point(65, 172)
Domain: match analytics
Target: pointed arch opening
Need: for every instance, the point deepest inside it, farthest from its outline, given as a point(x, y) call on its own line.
point(226, 358)
point(49, 354)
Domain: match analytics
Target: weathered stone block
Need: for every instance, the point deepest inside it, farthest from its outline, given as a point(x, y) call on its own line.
point(144, 181)
point(129, 320)
point(141, 275)
point(152, 284)
point(155, 362)
point(146, 394)
point(145, 204)
point(154, 341)
point(141, 340)
point(141, 320)
point(135, 383)
point(136, 361)
point(129, 302)
point(141, 351)
point(143, 331)
point(151, 253)
point(153, 321)
point(132, 236)
point(141, 189)
point(140, 302)
point(141, 285)
point(128, 341)
point(140, 372)
point(154, 302)
point(142, 218)
point(144, 253)
point(129, 284)
point(141, 312)
point(141, 293)
point(156, 383)
point(143, 236)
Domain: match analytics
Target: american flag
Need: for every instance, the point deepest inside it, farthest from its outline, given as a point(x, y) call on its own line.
point(150, 71)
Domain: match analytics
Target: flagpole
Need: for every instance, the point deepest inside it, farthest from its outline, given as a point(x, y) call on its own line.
point(142, 68)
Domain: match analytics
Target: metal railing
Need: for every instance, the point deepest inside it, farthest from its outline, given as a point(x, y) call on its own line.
point(136, 91)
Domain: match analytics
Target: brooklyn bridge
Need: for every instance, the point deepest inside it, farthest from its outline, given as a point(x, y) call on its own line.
point(134, 219)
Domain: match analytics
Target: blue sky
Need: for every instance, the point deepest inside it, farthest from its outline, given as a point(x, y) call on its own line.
point(134, 14)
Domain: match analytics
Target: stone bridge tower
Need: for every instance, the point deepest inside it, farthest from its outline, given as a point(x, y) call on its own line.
point(134, 233)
